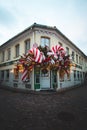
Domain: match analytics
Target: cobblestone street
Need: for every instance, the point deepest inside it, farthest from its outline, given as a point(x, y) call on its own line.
point(44, 110)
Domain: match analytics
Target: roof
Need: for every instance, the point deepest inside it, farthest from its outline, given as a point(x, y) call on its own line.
point(44, 27)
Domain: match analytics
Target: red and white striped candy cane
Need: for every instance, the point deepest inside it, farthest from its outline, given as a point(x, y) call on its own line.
point(57, 49)
point(24, 74)
point(38, 56)
point(31, 51)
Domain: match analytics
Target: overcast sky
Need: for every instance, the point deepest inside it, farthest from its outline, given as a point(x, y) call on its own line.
point(69, 16)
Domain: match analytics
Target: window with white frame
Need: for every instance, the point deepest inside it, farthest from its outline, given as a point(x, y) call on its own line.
point(8, 53)
point(78, 75)
point(45, 41)
point(37, 75)
point(27, 45)
point(79, 60)
point(7, 74)
point(83, 75)
point(82, 61)
point(74, 74)
point(3, 56)
point(76, 58)
point(67, 50)
point(2, 74)
point(73, 55)
point(17, 50)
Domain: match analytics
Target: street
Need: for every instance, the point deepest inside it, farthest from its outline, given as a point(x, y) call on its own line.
point(44, 110)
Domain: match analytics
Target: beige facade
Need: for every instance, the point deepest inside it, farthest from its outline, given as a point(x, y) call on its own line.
point(11, 50)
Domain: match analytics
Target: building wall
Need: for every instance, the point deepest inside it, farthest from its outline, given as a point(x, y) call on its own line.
point(35, 37)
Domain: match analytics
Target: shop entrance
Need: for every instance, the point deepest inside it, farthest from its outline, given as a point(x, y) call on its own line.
point(45, 79)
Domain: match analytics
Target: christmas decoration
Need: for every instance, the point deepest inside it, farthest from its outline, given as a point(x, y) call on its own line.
point(24, 75)
point(55, 59)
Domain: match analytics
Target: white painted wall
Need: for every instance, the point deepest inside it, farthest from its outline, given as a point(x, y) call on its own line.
point(35, 38)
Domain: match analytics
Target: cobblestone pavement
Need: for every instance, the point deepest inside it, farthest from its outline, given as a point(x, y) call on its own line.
point(44, 111)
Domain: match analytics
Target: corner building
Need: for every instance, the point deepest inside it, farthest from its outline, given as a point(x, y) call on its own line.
point(41, 34)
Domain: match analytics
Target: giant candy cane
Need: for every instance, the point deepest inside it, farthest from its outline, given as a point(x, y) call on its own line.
point(24, 74)
point(57, 53)
point(38, 56)
point(58, 50)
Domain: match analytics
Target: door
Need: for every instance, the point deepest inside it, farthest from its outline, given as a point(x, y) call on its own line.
point(54, 79)
point(45, 79)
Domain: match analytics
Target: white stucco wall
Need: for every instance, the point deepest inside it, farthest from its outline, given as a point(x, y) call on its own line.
point(35, 37)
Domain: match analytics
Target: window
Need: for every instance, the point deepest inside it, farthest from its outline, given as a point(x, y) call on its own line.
point(74, 74)
point(76, 58)
point(27, 45)
point(37, 79)
point(45, 41)
point(73, 55)
point(7, 74)
point(8, 54)
point(2, 74)
point(17, 50)
point(78, 75)
point(3, 56)
point(82, 61)
point(54, 76)
point(37, 75)
point(83, 75)
point(79, 60)
point(67, 50)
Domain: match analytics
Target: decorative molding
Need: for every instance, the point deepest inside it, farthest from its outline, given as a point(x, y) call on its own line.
point(41, 31)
